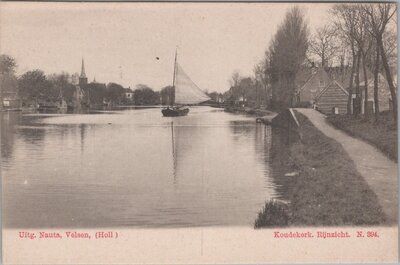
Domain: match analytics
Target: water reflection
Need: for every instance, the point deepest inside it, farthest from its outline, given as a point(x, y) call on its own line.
point(281, 141)
point(7, 125)
point(82, 133)
point(135, 168)
point(174, 154)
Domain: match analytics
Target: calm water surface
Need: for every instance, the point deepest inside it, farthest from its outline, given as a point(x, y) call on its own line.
point(134, 168)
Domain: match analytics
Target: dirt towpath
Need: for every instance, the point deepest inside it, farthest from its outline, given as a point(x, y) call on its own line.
point(379, 171)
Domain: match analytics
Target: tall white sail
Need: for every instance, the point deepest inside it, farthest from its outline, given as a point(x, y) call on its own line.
point(187, 92)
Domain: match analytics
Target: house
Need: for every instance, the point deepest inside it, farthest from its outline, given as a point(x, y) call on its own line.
point(220, 98)
point(332, 99)
point(128, 93)
point(343, 76)
point(9, 96)
point(314, 81)
point(12, 102)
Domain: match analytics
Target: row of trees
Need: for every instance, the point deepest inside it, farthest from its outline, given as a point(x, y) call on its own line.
point(358, 37)
point(34, 86)
point(367, 32)
point(250, 91)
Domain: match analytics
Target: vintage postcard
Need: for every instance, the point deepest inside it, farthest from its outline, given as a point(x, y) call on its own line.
point(198, 132)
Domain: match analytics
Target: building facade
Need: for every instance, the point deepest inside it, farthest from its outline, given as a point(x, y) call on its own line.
point(332, 99)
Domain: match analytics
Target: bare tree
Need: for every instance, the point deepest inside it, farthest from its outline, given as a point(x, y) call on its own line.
point(379, 15)
point(262, 77)
point(376, 79)
point(344, 16)
point(323, 44)
point(364, 43)
point(390, 46)
point(234, 81)
point(258, 80)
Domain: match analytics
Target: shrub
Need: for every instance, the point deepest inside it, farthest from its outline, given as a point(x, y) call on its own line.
point(273, 214)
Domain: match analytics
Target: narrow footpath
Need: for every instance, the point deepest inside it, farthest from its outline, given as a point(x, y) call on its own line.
point(379, 171)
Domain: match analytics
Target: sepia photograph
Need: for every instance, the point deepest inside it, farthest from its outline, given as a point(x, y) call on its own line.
point(198, 133)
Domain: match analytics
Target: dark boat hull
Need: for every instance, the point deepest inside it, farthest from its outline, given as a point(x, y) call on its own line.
point(175, 112)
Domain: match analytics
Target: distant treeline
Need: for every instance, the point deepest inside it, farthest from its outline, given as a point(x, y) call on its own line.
point(35, 86)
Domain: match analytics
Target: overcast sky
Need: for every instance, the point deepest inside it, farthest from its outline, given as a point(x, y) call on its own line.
point(120, 41)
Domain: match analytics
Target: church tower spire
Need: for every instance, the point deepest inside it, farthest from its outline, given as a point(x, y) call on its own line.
point(83, 74)
point(82, 78)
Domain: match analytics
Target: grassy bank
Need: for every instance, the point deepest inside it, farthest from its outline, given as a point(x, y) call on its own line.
point(383, 135)
point(327, 191)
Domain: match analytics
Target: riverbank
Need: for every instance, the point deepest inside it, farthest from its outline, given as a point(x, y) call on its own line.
point(325, 188)
point(382, 135)
point(249, 111)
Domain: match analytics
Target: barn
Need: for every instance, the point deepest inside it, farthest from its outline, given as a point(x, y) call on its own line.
point(332, 99)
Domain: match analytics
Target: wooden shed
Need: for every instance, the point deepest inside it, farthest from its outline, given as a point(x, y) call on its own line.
point(332, 99)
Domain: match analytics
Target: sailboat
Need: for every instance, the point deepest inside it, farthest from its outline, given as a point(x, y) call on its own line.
point(186, 93)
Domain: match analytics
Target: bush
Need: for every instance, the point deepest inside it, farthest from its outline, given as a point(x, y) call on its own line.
point(273, 214)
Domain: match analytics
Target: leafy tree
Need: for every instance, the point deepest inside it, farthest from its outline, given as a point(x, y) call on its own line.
point(247, 89)
point(7, 75)
point(214, 96)
point(34, 86)
point(114, 93)
point(62, 83)
point(9, 84)
point(287, 53)
point(167, 95)
point(7, 64)
point(97, 92)
point(144, 95)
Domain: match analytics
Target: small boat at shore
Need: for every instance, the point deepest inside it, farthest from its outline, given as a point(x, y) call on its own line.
point(186, 93)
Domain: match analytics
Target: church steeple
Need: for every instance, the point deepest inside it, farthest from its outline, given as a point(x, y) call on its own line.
point(82, 78)
point(83, 74)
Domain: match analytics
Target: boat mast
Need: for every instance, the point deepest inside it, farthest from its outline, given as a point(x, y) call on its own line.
point(173, 80)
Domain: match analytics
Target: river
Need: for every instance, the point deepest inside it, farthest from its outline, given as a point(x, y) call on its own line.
point(134, 168)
